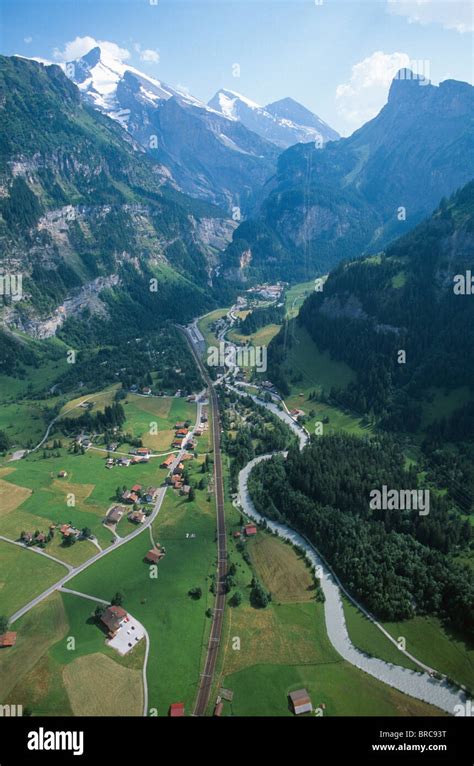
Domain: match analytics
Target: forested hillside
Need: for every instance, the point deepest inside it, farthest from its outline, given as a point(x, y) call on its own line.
point(395, 562)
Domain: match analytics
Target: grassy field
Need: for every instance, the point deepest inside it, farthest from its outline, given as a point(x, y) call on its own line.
point(263, 688)
point(144, 412)
point(53, 677)
point(98, 686)
point(37, 631)
point(367, 637)
point(205, 323)
point(24, 575)
point(286, 579)
point(100, 400)
point(433, 643)
point(261, 337)
point(94, 489)
point(285, 646)
point(177, 624)
point(295, 297)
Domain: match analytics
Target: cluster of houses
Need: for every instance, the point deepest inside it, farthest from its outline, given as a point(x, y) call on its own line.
point(138, 455)
point(249, 530)
point(132, 496)
point(67, 531)
point(176, 480)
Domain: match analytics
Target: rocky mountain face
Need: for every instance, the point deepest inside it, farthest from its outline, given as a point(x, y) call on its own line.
point(87, 219)
point(284, 122)
point(207, 154)
point(414, 298)
point(355, 194)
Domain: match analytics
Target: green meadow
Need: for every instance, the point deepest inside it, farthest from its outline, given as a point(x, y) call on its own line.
point(177, 624)
point(24, 575)
point(51, 637)
point(92, 485)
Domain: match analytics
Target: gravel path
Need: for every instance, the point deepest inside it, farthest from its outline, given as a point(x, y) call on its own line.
point(419, 685)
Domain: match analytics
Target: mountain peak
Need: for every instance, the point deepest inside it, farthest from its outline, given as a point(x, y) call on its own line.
point(405, 83)
point(93, 56)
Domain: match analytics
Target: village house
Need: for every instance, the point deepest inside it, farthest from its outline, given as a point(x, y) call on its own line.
point(62, 474)
point(40, 538)
point(146, 390)
point(113, 619)
point(68, 531)
point(154, 555)
point(26, 537)
point(8, 639)
point(166, 463)
point(130, 497)
point(301, 702)
point(114, 514)
point(250, 530)
point(138, 517)
point(143, 452)
point(176, 710)
point(150, 495)
point(112, 446)
point(125, 461)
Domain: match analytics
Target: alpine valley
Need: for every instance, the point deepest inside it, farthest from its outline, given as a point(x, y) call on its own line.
point(224, 328)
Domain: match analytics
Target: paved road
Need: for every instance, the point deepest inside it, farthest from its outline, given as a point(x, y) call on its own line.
point(33, 549)
point(207, 676)
point(121, 541)
point(145, 633)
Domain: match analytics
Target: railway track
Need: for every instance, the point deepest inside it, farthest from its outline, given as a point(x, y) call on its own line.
point(207, 676)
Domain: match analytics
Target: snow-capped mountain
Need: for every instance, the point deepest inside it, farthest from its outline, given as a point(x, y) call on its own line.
point(284, 122)
point(208, 154)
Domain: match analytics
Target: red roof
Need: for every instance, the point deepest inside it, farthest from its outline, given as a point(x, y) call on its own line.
point(177, 709)
point(8, 639)
point(136, 488)
point(250, 529)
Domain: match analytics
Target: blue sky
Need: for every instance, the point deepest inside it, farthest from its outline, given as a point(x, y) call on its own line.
point(337, 57)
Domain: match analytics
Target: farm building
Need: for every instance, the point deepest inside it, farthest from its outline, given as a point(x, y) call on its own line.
point(113, 618)
point(154, 555)
point(115, 514)
point(250, 529)
point(62, 475)
point(301, 702)
point(8, 639)
point(177, 710)
point(166, 463)
point(138, 517)
point(150, 494)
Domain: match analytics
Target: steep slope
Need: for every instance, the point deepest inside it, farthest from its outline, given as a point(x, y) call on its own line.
point(415, 298)
point(87, 219)
point(284, 122)
point(356, 194)
point(209, 155)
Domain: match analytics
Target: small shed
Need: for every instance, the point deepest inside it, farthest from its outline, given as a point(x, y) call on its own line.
point(301, 702)
point(176, 710)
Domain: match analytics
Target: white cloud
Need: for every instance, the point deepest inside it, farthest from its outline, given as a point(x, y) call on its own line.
point(76, 48)
point(27, 40)
point(146, 54)
point(149, 55)
point(362, 97)
point(451, 14)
